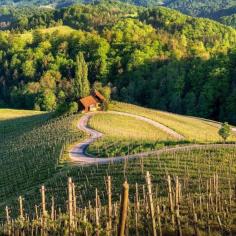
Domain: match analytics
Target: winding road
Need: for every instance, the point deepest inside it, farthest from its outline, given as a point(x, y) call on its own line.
point(78, 153)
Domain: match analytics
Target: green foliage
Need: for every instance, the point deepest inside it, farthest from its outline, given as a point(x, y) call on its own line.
point(46, 101)
point(81, 83)
point(229, 20)
point(154, 57)
point(104, 90)
point(73, 108)
point(225, 131)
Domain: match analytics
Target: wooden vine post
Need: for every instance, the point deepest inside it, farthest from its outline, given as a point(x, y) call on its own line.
point(21, 208)
point(7, 215)
point(97, 212)
point(195, 221)
point(171, 200)
point(8, 221)
point(150, 203)
point(159, 220)
point(70, 205)
point(109, 193)
point(44, 212)
point(74, 205)
point(123, 209)
point(53, 209)
point(136, 209)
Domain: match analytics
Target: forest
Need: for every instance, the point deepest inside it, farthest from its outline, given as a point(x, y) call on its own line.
point(155, 57)
point(221, 10)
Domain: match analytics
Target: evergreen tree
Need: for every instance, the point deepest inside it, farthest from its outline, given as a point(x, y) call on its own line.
point(81, 83)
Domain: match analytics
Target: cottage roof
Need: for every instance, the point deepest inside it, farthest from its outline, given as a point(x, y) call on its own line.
point(88, 101)
point(99, 95)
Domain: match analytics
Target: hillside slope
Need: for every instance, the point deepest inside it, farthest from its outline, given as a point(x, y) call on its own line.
point(157, 57)
point(219, 10)
point(32, 146)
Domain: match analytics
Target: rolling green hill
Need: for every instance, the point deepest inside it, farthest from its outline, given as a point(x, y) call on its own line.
point(34, 142)
point(219, 10)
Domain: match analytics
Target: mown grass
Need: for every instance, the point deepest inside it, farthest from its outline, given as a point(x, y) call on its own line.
point(6, 114)
point(125, 135)
point(124, 127)
point(193, 129)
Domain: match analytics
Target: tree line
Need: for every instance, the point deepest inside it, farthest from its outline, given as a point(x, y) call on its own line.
point(154, 57)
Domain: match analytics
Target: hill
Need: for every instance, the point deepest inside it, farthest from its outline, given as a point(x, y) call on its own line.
point(180, 63)
point(33, 145)
point(220, 10)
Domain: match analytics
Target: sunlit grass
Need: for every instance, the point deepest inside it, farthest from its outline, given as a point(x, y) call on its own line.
point(124, 127)
point(125, 135)
point(193, 129)
point(6, 114)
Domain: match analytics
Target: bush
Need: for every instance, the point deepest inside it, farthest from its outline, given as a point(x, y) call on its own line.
point(73, 108)
point(65, 108)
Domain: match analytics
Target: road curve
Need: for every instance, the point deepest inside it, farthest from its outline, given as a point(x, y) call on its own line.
point(78, 154)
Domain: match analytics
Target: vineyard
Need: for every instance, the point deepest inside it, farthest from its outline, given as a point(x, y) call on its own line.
point(202, 181)
point(187, 189)
point(31, 145)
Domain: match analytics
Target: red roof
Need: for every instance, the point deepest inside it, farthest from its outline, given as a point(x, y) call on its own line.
point(88, 101)
point(99, 95)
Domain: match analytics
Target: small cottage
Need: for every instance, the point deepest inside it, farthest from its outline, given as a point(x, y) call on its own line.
point(92, 102)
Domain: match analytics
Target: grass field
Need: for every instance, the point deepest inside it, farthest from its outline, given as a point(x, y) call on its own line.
point(124, 127)
point(27, 37)
point(62, 30)
point(6, 114)
point(125, 135)
point(193, 129)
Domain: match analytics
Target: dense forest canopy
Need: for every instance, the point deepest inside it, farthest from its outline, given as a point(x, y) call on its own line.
point(156, 57)
point(221, 10)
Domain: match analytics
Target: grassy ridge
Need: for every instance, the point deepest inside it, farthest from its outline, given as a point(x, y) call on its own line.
point(125, 135)
point(193, 129)
point(118, 126)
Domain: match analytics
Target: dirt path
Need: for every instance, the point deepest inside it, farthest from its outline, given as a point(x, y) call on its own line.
point(78, 152)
